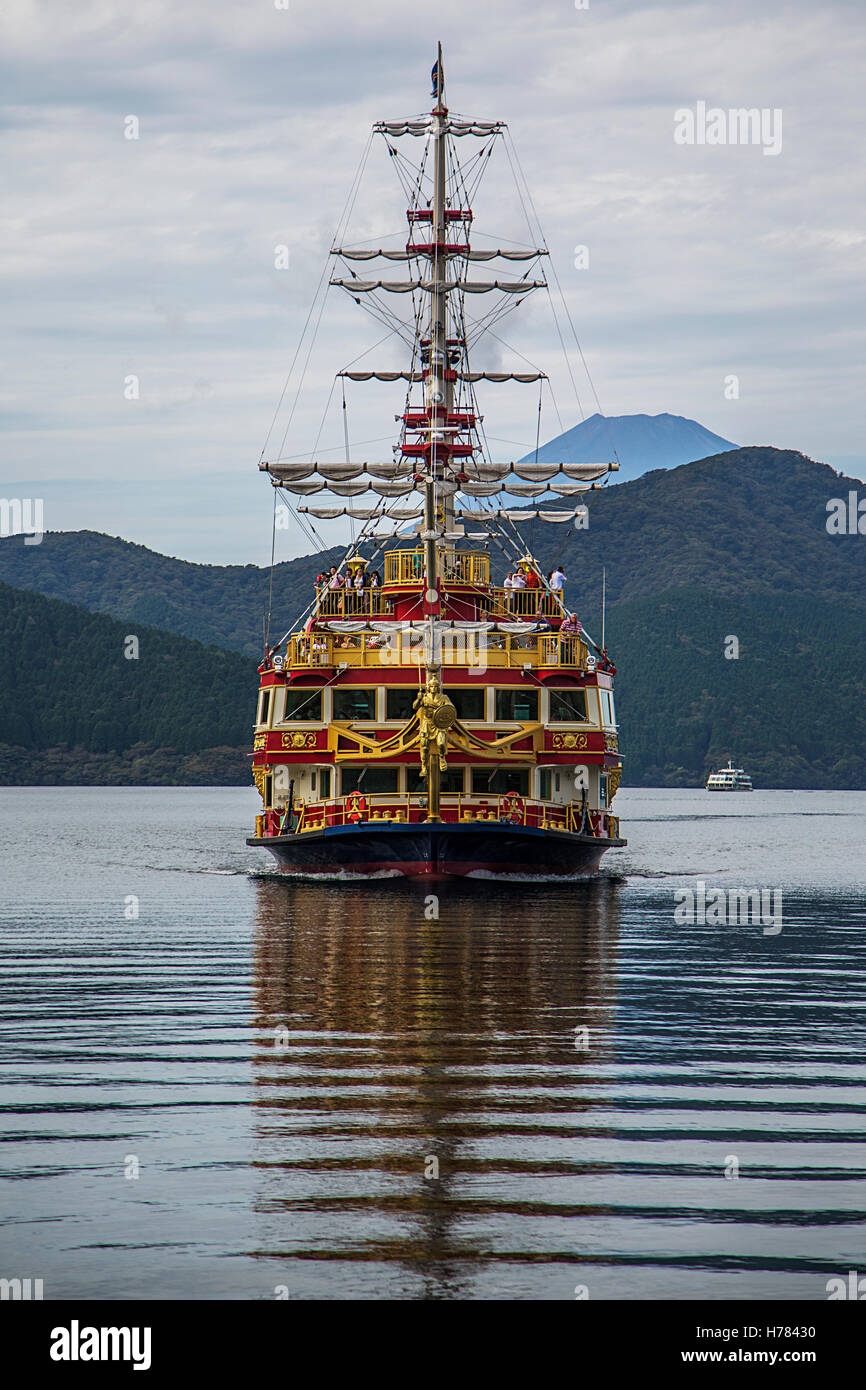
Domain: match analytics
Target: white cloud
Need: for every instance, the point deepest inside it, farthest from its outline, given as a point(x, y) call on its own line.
point(156, 256)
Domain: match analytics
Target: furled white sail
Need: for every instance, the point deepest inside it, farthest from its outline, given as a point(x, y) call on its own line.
point(474, 489)
point(523, 377)
point(527, 489)
point(458, 128)
point(412, 253)
point(431, 286)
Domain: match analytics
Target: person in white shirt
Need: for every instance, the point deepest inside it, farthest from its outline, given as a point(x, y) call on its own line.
point(556, 583)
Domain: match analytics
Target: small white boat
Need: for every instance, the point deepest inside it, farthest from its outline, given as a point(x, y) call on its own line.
point(729, 779)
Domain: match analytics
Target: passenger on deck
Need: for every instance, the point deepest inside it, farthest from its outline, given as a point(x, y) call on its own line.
point(508, 586)
point(360, 584)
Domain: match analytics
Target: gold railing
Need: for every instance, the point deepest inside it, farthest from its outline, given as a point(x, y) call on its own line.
point(524, 603)
point(455, 567)
point(411, 807)
point(351, 603)
point(401, 648)
point(457, 808)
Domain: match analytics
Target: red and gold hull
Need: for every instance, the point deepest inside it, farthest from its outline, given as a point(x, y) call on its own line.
point(426, 850)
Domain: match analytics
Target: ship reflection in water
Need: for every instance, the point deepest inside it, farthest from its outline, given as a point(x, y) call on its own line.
point(425, 1087)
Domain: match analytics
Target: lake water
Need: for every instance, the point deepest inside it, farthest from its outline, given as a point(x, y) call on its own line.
point(286, 1065)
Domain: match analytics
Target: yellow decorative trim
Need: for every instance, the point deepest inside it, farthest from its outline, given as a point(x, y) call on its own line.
point(569, 740)
point(259, 775)
point(614, 777)
point(259, 742)
point(611, 743)
point(299, 740)
point(409, 738)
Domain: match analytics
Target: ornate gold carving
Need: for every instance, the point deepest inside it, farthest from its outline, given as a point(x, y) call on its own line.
point(299, 740)
point(614, 777)
point(259, 775)
point(569, 740)
point(410, 734)
point(436, 716)
point(259, 742)
point(611, 743)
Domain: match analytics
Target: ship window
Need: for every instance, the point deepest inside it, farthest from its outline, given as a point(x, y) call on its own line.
point(324, 783)
point(608, 717)
point(450, 781)
point(517, 704)
point(501, 780)
point(567, 706)
point(268, 790)
point(264, 707)
point(303, 704)
point(399, 700)
point(354, 702)
point(370, 779)
point(467, 700)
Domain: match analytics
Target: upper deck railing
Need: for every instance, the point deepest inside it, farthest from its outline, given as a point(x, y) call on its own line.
point(525, 603)
point(351, 603)
point(455, 567)
point(404, 647)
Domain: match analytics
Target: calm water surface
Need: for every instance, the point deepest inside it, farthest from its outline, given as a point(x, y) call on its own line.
point(288, 1064)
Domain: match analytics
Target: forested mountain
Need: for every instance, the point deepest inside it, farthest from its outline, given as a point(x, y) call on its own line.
point(221, 604)
point(74, 708)
point(735, 545)
point(748, 521)
point(791, 709)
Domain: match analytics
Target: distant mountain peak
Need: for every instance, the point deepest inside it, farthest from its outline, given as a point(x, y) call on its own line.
point(642, 443)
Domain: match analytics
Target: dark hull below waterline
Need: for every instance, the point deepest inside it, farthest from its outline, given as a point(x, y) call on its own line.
point(430, 851)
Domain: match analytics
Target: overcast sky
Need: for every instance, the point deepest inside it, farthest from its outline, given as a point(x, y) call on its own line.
point(155, 257)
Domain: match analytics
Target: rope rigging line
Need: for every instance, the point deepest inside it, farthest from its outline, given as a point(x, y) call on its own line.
point(271, 575)
point(510, 142)
point(356, 182)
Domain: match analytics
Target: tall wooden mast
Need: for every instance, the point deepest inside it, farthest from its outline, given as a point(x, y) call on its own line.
point(438, 401)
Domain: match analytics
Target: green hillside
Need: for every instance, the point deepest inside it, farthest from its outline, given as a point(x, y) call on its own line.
point(791, 708)
point(73, 708)
point(731, 545)
point(749, 521)
point(218, 604)
point(752, 521)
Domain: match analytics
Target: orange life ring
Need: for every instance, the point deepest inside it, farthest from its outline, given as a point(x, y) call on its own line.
point(356, 806)
point(513, 808)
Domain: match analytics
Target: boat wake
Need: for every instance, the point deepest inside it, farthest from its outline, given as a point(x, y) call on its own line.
point(338, 876)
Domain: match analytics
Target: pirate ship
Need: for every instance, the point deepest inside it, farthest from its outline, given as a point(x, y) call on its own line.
point(436, 722)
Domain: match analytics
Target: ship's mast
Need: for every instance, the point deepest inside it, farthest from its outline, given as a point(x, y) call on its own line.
point(438, 386)
point(438, 399)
